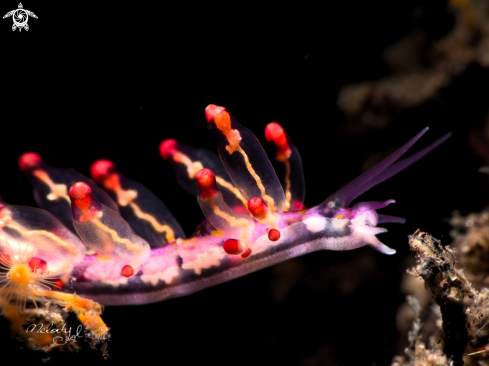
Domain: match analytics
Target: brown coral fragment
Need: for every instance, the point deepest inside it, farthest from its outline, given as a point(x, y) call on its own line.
point(436, 266)
point(464, 310)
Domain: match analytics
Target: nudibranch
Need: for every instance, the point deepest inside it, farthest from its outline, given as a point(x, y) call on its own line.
point(123, 245)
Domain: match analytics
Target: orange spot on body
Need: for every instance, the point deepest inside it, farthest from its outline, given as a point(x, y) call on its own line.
point(127, 271)
point(206, 182)
point(28, 161)
point(246, 254)
point(232, 246)
point(168, 147)
point(273, 235)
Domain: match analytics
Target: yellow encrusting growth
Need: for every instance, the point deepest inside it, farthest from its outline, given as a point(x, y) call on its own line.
point(22, 284)
point(19, 280)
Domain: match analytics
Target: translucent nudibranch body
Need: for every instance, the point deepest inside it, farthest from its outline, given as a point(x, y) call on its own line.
point(51, 186)
point(252, 220)
point(144, 212)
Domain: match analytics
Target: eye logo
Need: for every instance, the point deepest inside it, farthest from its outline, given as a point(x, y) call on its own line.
point(20, 17)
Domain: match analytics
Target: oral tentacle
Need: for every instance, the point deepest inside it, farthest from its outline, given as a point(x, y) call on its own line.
point(348, 192)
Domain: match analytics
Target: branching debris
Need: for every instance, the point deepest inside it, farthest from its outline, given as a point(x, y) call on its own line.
point(464, 310)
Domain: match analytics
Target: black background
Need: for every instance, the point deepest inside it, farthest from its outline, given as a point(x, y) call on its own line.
point(112, 79)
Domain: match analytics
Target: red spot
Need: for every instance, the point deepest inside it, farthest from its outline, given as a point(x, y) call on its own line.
point(38, 265)
point(298, 205)
point(273, 234)
point(168, 147)
point(206, 182)
point(246, 254)
point(232, 246)
point(59, 284)
point(211, 111)
point(101, 169)
point(127, 271)
point(258, 208)
point(29, 161)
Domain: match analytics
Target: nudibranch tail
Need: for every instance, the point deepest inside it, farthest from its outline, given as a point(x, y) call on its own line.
point(145, 213)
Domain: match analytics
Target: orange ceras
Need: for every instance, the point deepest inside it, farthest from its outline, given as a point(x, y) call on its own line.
point(206, 182)
point(28, 161)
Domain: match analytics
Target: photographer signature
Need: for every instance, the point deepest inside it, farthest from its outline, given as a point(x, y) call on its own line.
point(65, 334)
